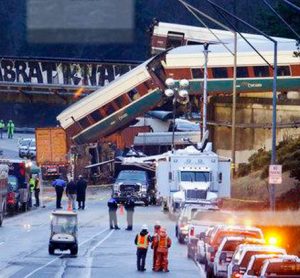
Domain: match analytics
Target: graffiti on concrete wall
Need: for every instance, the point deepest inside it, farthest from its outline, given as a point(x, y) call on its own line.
point(64, 73)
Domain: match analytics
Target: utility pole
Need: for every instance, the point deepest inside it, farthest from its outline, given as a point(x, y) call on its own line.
point(233, 137)
point(274, 116)
point(204, 116)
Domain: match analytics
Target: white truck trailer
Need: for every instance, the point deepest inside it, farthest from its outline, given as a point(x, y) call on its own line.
point(192, 175)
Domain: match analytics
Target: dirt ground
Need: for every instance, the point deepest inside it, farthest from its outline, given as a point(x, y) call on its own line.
point(251, 187)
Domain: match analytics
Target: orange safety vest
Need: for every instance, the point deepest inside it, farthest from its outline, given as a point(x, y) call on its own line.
point(163, 242)
point(142, 241)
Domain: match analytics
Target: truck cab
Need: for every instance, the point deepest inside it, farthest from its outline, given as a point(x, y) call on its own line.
point(132, 183)
point(194, 184)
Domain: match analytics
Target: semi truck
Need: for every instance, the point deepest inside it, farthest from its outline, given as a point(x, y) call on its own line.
point(51, 152)
point(192, 175)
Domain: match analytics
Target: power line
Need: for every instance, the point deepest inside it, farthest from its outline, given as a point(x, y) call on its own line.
point(281, 18)
point(292, 5)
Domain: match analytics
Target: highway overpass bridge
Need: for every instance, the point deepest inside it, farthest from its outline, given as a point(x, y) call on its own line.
point(58, 77)
point(34, 90)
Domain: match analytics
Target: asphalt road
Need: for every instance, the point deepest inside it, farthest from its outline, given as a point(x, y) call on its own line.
point(102, 252)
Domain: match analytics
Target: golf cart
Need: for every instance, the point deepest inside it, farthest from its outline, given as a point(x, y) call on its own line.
point(63, 232)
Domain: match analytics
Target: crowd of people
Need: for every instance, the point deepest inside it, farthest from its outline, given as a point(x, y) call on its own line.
point(75, 191)
point(160, 241)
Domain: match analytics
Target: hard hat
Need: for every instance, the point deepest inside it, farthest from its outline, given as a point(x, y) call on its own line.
point(145, 227)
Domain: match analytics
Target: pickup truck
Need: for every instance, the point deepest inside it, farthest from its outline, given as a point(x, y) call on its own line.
point(217, 237)
point(226, 250)
point(188, 214)
point(255, 264)
point(243, 254)
point(283, 267)
point(132, 183)
point(201, 222)
point(202, 227)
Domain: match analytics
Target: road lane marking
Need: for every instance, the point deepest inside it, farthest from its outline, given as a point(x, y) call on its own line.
point(91, 258)
point(1, 243)
point(52, 261)
point(202, 272)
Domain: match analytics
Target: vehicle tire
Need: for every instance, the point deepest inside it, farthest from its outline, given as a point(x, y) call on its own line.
point(74, 250)
point(200, 259)
point(51, 249)
point(188, 253)
point(1, 217)
point(180, 239)
point(146, 203)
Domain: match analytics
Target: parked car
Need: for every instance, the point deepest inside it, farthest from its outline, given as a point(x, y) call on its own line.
point(255, 264)
point(24, 145)
point(243, 254)
point(226, 250)
point(3, 190)
point(204, 238)
point(32, 150)
point(214, 222)
point(226, 231)
point(133, 183)
point(285, 266)
point(188, 213)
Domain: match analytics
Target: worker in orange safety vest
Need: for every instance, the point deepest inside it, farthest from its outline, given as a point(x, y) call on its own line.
point(142, 241)
point(162, 243)
point(154, 237)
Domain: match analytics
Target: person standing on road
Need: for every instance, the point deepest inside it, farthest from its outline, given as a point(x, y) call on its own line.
point(129, 207)
point(2, 126)
point(142, 241)
point(37, 192)
point(59, 184)
point(10, 129)
point(31, 189)
point(162, 243)
point(155, 239)
point(71, 191)
point(81, 191)
point(112, 210)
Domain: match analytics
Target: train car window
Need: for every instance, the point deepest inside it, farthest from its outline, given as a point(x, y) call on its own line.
point(119, 101)
point(283, 71)
point(96, 116)
point(197, 73)
point(174, 39)
point(261, 71)
point(84, 122)
point(134, 94)
point(220, 72)
point(193, 43)
point(109, 108)
point(242, 72)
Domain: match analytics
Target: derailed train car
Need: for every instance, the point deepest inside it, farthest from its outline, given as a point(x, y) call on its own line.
point(116, 105)
point(120, 102)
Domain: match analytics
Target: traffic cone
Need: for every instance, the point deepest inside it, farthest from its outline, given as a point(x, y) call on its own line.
point(69, 206)
point(121, 210)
